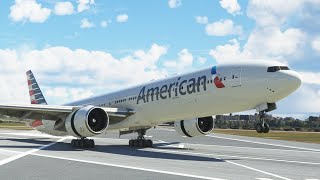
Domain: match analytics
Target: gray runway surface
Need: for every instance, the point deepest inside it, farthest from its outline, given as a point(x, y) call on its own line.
point(33, 155)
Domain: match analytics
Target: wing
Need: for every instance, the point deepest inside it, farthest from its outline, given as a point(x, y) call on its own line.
point(49, 112)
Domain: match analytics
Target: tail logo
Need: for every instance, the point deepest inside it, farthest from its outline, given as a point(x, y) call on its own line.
point(216, 79)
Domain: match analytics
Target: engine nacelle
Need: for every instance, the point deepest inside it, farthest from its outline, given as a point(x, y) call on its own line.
point(87, 121)
point(194, 127)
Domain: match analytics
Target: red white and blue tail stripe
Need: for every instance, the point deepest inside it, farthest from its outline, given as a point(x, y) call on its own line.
point(36, 96)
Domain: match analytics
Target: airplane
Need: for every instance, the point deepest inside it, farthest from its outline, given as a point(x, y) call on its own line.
point(189, 100)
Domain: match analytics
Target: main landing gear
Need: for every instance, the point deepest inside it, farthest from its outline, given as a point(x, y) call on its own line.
point(140, 141)
point(262, 126)
point(82, 143)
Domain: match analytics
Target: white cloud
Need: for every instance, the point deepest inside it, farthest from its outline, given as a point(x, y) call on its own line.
point(305, 100)
point(29, 10)
point(185, 61)
point(315, 44)
point(122, 18)
point(272, 13)
point(273, 42)
point(174, 3)
point(98, 71)
point(63, 8)
point(223, 28)
point(104, 24)
point(85, 23)
point(231, 6)
point(310, 77)
point(230, 52)
point(202, 19)
point(84, 5)
point(201, 60)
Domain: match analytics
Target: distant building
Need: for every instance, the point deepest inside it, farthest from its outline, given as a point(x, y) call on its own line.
point(314, 119)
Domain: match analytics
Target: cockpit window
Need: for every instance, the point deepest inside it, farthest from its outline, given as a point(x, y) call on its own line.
point(277, 68)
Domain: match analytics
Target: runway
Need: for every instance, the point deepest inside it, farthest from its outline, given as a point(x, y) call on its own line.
point(33, 155)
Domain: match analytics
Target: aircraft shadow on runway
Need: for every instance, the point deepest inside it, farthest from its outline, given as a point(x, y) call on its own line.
point(117, 149)
point(139, 152)
point(37, 142)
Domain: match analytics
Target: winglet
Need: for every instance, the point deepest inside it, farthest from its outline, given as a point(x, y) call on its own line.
point(36, 96)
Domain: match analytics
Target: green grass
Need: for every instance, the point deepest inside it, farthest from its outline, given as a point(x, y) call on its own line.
point(306, 137)
point(17, 126)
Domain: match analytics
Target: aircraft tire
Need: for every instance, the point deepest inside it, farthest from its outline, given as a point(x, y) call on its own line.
point(266, 128)
point(148, 143)
point(141, 142)
point(259, 128)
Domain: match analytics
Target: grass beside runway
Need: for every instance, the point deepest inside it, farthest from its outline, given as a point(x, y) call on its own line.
point(307, 137)
point(16, 126)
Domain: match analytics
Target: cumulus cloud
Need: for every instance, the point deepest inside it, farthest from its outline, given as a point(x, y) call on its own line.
point(273, 42)
point(104, 24)
point(77, 73)
point(84, 5)
point(202, 19)
point(122, 18)
point(85, 23)
point(231, 6)
point(63, 8)
point(267, 13)
point(310, 77)
point(29, 10)
point(174, 3)
point(223, 28)
point(184, 61)
point(229, 52)
point(315, 44)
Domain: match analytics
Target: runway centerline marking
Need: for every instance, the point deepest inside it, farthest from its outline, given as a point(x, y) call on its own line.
point(128, 167)
point(237, 164)
point(13, 158)
point(263, 143)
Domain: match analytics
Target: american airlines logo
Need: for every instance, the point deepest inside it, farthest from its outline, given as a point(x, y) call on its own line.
point(178, 88)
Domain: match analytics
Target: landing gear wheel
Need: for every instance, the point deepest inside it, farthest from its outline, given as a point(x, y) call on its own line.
point(148, 143)
point(131, 142)
point(82, 143)
point(140, 141)
point(259, 128)
point(266, 128)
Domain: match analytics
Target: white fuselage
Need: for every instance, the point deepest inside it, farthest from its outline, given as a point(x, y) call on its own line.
point(216, 90)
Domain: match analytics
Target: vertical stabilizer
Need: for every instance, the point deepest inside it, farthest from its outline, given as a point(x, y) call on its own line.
point(36, 96)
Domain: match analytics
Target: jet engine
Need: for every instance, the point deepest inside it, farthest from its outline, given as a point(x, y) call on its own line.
point(194, 127)
point(87, 121)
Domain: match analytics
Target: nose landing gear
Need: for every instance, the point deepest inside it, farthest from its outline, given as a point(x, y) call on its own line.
point(262, 126)
point(140, 141)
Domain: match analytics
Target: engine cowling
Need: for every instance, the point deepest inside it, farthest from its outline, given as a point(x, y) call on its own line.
point(194, 127)
point(87, 121)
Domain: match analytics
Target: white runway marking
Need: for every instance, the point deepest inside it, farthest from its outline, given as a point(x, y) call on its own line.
point(128, 167)
point(237, 164)
point(5, 161)
point(32, 135)
point(246, 157)
point(254, 142)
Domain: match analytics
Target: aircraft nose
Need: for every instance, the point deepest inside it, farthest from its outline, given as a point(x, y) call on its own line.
point(294, 80)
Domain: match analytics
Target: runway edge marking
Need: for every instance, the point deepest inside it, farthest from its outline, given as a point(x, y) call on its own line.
point(10, 159)
point(127, 167)
point(237, 164)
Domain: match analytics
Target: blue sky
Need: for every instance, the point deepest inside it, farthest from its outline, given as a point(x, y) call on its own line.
point(58, 39)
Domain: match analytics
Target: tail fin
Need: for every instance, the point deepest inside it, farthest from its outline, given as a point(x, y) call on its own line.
point(36, 96)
